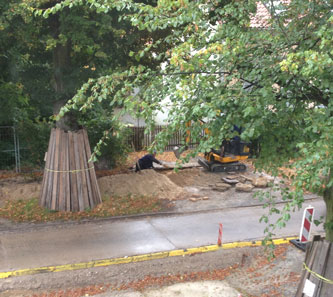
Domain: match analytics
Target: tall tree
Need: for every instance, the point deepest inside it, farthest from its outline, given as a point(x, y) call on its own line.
point(50, 55)
point(273, 78)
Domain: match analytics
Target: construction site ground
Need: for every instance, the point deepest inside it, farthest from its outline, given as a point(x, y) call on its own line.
point(245, 271)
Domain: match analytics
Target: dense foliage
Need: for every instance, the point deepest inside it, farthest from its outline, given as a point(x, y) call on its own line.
point(44, 61)
point(274, 80)
point(200, 60)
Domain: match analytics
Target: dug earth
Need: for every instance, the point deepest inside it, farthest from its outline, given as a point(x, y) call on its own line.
point(190, 189)
point(245, 271)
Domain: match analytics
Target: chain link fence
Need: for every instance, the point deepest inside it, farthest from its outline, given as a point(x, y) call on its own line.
point(9, 149)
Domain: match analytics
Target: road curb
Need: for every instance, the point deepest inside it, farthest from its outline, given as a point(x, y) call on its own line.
point(138, 258)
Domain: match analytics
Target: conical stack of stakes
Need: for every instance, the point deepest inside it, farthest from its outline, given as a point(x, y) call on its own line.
point(69, 181)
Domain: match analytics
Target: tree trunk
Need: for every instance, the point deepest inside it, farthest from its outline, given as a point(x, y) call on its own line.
point(62, 86)
point(69, 181)
point(62, 81)
point(328, 198)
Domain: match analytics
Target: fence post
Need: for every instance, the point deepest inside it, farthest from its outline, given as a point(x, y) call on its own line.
point(17, 151)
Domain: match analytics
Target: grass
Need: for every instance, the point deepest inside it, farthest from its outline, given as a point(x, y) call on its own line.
point(30, 211)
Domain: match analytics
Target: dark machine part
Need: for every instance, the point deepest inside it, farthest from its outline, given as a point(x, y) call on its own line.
point(222, 167)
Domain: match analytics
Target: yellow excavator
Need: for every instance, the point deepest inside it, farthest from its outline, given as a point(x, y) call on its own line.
point(227, 159)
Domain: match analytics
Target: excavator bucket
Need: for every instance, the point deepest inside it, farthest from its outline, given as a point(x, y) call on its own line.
point(204, 163)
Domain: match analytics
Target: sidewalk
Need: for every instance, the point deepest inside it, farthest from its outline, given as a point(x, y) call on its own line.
point(71, 243)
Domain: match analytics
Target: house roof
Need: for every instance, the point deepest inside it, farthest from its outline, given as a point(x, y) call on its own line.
point(261, 19)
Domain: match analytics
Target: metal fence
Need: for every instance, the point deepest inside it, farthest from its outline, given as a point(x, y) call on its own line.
point(9, 149)
point(11, 153)
point(139, 140)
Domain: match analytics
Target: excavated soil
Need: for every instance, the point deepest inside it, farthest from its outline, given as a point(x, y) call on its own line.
point(190, 189)
point(145, 183)
point(18, 188)
point(163, 184)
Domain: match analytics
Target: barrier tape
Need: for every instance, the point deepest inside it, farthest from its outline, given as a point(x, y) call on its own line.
point(69, 171)
point(317, 275)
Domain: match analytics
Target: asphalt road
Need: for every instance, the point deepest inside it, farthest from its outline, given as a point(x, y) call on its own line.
point(95, 240)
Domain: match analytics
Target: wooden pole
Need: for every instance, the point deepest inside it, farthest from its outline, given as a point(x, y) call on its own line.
point(83, 172)
point(74, 202)
point(95, 189)
point(50, 173)
point(55, 189)
point(67, 176)
point(61, 198)
point(43, 193)
point(88, 172)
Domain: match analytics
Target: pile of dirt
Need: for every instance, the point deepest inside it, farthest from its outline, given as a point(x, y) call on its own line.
point(145, 183)
point(193, 176)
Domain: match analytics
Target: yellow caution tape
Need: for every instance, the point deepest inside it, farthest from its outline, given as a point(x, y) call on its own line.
point(317, 275)
point(69, 171)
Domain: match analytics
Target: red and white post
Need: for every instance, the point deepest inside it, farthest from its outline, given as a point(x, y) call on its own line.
point(219, 239)
point(308, 218)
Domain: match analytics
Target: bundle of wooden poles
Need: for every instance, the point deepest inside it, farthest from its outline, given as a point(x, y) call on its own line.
point(69, 181)
point(317, 276)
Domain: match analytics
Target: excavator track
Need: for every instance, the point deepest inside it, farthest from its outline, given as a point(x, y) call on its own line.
point(219, 167)
point(229, 167)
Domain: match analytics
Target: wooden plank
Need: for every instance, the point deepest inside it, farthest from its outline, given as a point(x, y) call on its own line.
point(62, 201)
point(43, 193)
point(60, 205)
point(88, 172)
point(56, 168)
point(94, 186)
point(315, 266)
point(83, 171)
point(78, 176)
point(51, 173)
point(305, 274)
point(72, 176)
point(59, 173)
point(93, 180)
point(326, 289)
point(320, 266)
point(67, 175)
point(94, 183)
point(45, 175)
